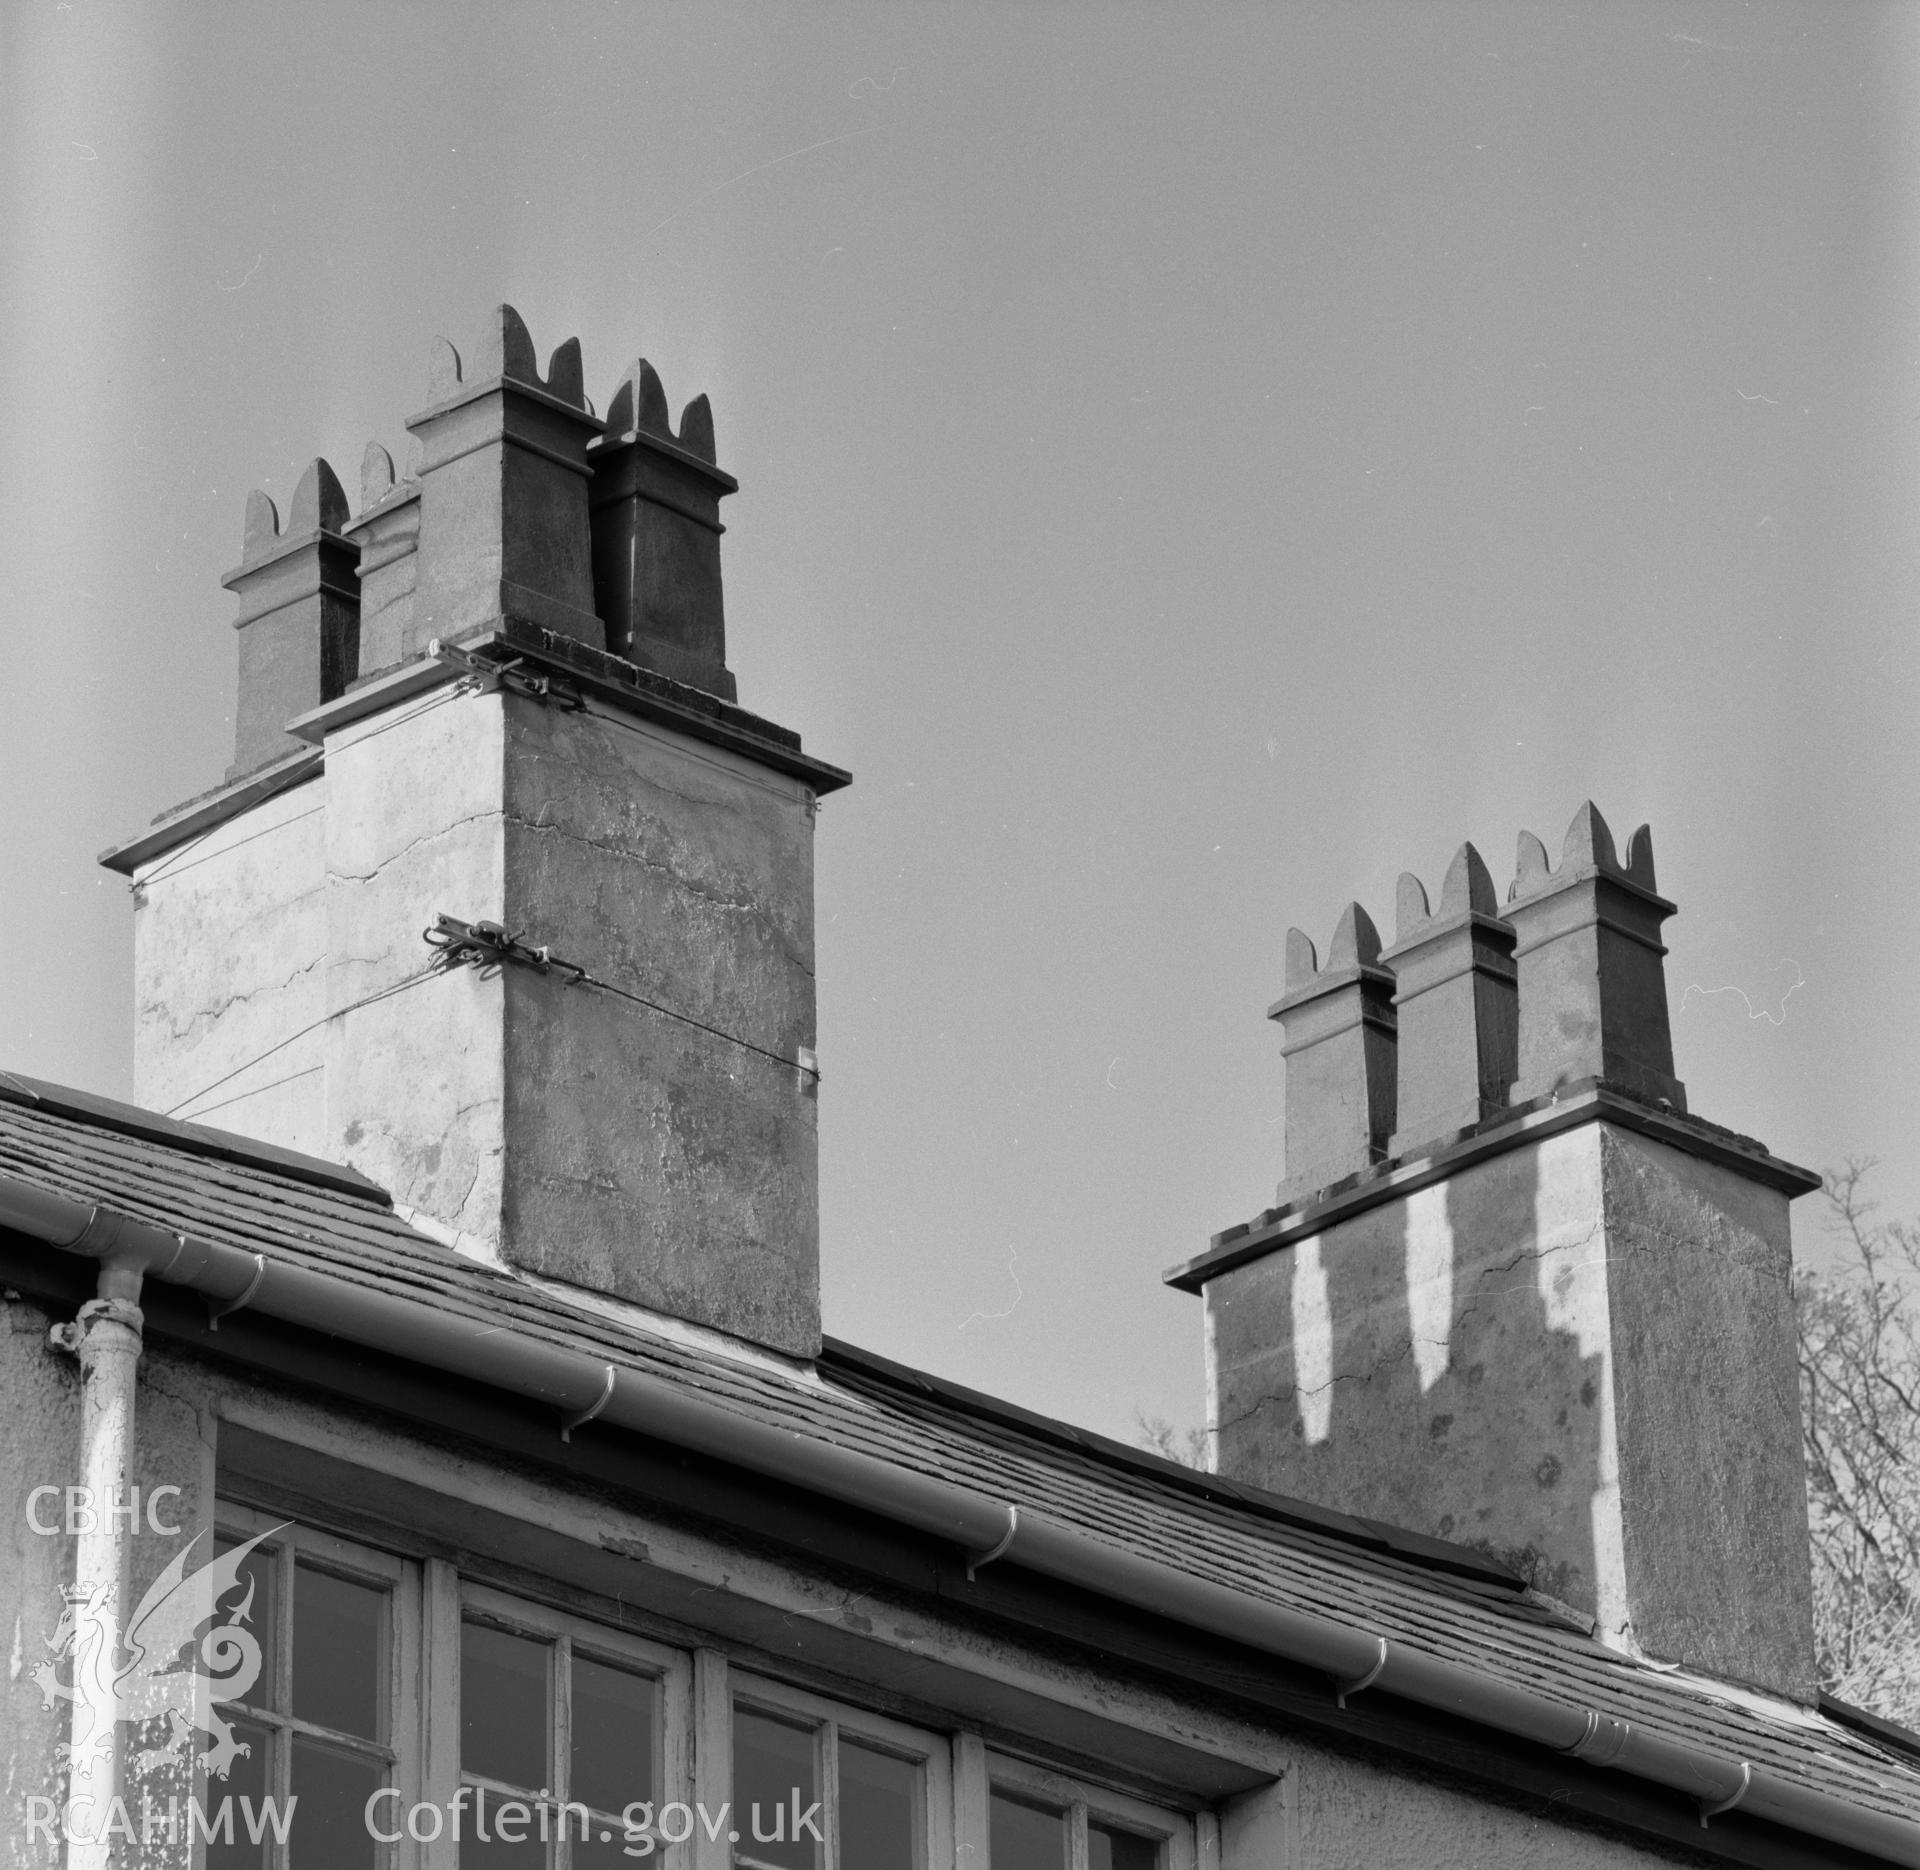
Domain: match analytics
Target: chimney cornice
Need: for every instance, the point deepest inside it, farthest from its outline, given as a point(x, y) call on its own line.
point(1288, 1223)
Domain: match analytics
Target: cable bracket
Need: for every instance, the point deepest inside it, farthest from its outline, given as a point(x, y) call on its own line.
point(490, 946)
point(512, 674)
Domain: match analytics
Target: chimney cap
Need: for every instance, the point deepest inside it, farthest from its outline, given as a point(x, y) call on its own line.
point(1467, 891)
point(638, 414)
point(318, 509)
point(1586, 852)
point(1352, 955)
point(505, 355)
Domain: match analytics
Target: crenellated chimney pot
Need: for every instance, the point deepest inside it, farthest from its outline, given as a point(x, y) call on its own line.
point(1592, 980)
point(299, 615)
point(1337, 1024)
point(1455, 1000)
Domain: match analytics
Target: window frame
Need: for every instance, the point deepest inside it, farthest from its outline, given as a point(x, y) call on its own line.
point(671, 1668)
point(931, 1751)
point(1175, 1832)
point(700, 1686)
point(293, 1541)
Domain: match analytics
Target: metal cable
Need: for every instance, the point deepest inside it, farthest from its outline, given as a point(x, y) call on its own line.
point(339, 1012)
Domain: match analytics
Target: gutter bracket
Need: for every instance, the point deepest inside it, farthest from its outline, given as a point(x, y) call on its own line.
point(977, 1559)
point(1342, 1690)
point(587, 1414)
point(1727, 1804)
point(217, 1312)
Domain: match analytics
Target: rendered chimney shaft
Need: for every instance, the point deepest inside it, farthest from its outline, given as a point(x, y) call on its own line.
point(1559, 1329)
point(649, 1135)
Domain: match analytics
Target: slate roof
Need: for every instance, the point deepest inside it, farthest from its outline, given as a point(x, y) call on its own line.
point(1439, 1599)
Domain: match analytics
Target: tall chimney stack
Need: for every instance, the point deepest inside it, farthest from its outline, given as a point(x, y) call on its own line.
point(1555, 1322)
point(604, 1075)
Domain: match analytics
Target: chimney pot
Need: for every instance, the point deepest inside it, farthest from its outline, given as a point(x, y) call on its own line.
point(299, 615)
point(388, 530)
point(1338, 1028)
point(504, 531)
point(656, 535)
point(1592, 985)
point(1455, 1003)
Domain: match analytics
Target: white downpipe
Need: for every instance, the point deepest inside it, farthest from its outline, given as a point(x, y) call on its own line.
point(106, 1337)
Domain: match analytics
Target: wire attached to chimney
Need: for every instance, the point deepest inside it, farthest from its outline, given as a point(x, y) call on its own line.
point(489, 946)
point(340, 1012)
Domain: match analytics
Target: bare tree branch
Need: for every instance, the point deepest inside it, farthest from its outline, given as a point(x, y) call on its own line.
point(1859, 1357)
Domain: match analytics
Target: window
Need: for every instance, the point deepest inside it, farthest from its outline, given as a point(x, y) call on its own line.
point(404, 1718)
point(822, 1787)
point(571, 1737)
point(1037, 1820)
point(316, 1731)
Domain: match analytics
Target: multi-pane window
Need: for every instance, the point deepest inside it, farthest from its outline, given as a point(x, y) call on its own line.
point(316, 1732)
point(405, 1718)
point(569, 1738)
point(817, 1786)
point(1039, 1821)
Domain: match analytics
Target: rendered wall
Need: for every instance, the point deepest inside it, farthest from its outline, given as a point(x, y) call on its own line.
point(1576, 1355)
point(230, 949)
point(585, 1136)
point(1350, 1814)
point(650, 1157)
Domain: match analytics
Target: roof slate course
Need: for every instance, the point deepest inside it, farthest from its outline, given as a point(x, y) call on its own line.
point(1288, 1553)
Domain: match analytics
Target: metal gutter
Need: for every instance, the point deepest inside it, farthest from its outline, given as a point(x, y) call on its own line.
point(578, 1388)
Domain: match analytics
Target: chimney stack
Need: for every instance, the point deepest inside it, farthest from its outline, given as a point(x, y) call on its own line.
point(1554, 1323)
point(617, 1088)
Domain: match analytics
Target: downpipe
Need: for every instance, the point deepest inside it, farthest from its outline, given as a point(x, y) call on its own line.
point(106, 1339)
point(580, 1389)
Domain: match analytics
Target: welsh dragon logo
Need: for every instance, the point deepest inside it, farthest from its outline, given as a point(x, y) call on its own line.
point(167, 1665)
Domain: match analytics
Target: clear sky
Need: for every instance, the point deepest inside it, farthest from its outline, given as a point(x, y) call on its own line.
point(1196, 463)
